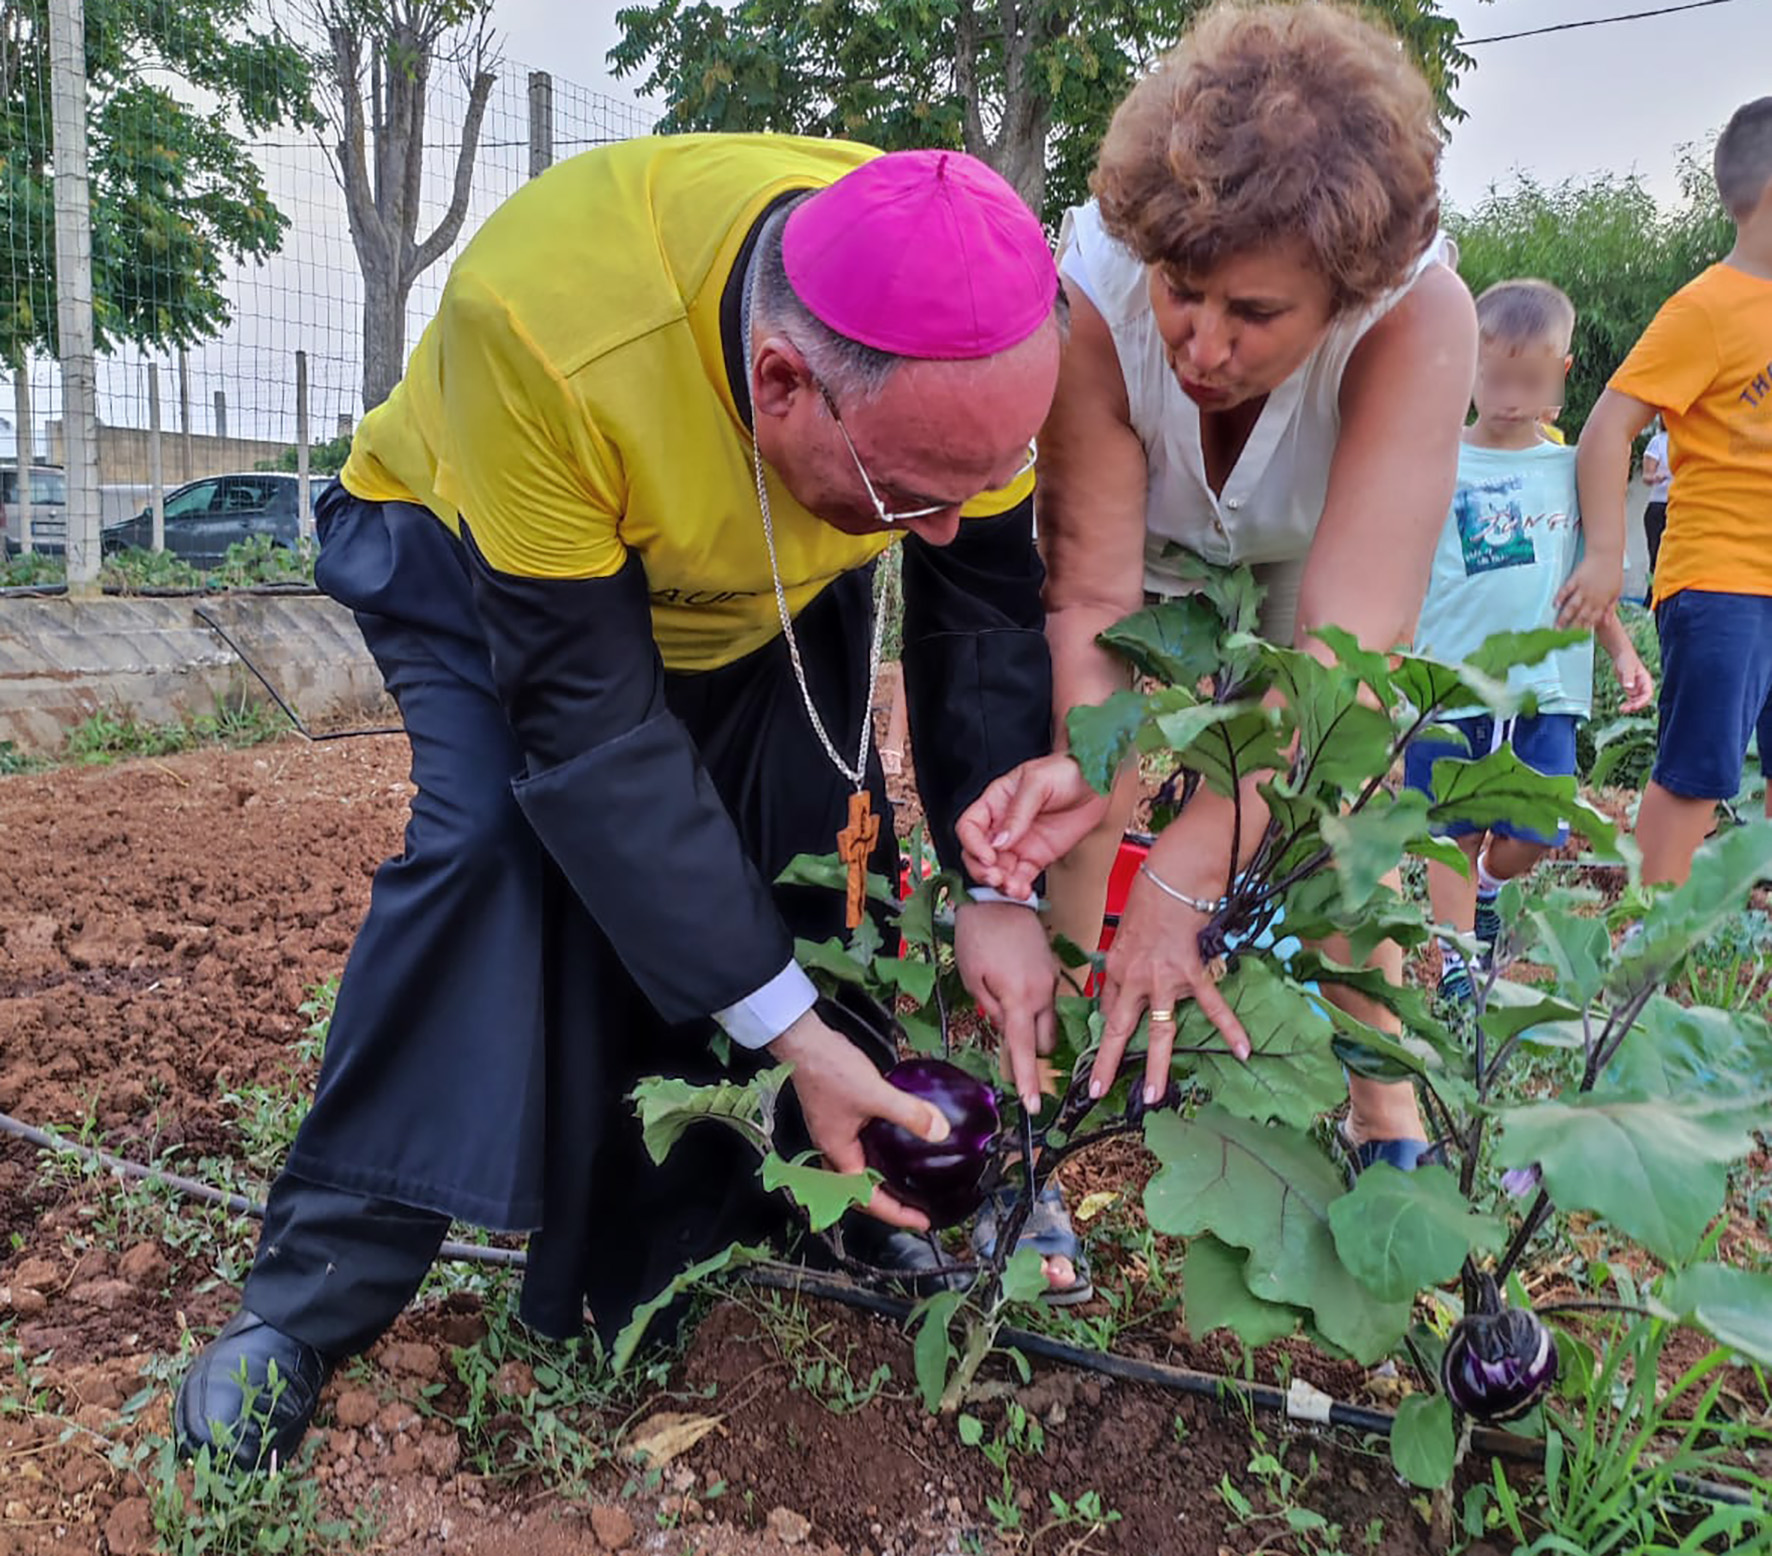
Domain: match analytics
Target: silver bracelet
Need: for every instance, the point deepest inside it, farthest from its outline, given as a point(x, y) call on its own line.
point(1208, 908)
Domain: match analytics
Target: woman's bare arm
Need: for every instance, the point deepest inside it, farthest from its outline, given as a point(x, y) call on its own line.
point(1403, 403)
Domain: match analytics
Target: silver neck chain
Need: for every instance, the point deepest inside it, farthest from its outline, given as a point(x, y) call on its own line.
point(857, 774)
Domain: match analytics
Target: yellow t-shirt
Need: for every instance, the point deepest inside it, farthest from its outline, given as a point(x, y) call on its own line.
point(1706, 364)
point(571, 397)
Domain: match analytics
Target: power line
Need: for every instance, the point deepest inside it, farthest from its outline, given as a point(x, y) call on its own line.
point(1597, 21)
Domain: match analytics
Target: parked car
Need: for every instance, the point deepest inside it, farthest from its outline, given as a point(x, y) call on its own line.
point(49, 508)
point(204, 518)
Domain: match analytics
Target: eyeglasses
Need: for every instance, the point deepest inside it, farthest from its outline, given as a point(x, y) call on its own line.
point(891, 516)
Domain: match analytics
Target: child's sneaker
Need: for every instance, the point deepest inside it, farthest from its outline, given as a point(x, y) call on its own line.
point(1456, 991)
point(1487, 927)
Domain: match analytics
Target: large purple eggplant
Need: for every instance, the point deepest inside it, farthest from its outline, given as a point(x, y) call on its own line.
point(943, 1181)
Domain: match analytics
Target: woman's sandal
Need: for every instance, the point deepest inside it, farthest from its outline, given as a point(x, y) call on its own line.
point(1047, 1230)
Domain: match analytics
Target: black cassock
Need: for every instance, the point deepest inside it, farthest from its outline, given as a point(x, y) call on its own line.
point(572, 901)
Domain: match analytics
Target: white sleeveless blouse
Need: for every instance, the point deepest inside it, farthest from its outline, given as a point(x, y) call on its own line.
point(1273, 498)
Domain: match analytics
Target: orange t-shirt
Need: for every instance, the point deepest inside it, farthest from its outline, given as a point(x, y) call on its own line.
point(1706, 364)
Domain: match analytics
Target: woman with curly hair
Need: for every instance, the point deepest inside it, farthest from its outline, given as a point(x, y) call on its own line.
point(1266, 365)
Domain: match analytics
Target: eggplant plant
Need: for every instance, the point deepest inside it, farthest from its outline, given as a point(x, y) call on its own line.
point(1279, 1241)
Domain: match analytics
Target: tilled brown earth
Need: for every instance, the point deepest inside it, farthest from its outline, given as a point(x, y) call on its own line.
point(160, 925)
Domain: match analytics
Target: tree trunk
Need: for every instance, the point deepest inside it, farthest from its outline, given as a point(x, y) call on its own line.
point(384, 334)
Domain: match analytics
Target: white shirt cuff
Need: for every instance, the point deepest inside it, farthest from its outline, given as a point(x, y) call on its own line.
point(991, 894)
point(761, 1017)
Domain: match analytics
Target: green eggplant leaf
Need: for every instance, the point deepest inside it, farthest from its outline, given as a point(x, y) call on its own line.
point(1177, 641)
point(1679, 1052)
point(1655, 1168)
point(1267, 1189)
point(1733, 1306)
point(1215, 1296)
point(1498, 786)
point(824, 1195)
point(667, 1105)
point(1291, 1074)
point(734, 1257)
point(1724, 871)
point(1402, 1231)
point(1501, 652)
point(1370, 843)
point(1424, 1444)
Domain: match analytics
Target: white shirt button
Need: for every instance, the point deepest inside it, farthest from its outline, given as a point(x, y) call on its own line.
point(1234, 504)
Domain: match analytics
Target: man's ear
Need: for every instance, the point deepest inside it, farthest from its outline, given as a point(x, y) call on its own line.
point(779, 375)
point(1568, 362)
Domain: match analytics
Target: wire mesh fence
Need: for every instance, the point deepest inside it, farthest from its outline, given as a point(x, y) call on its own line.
point(226, 272)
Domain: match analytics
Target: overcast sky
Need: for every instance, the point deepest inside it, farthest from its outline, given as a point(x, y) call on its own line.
point(1618, 97)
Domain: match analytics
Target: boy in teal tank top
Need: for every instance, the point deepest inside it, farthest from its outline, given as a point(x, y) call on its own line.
point(1511, 540)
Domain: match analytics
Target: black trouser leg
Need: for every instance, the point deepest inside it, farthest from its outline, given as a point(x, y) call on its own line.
point(334, 1268)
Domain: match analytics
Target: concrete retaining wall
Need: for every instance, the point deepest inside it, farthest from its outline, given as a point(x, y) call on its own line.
point(62, 660)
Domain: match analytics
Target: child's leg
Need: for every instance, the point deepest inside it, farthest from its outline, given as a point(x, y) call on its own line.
point(1716, 680)
point(1670, 829)
point(1508, 858)
point(1546, 744)
point(1377, 1110)
point(1452, 897)
point(1763, 738)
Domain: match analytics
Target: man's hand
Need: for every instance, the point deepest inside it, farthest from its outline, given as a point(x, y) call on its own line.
point(1637, 683)
point(1592, 590)
point(1027, 819)
point(1008, 967)
point(839, 1091)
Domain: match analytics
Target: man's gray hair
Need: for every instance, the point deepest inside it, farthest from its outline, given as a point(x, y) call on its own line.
point(849, 370)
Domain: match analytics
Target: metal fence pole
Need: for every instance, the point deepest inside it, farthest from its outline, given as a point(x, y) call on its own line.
point(541, 122)
point(185, 470)
point(73, 290)
point(156, 471)
point(303, 510)
point(26, 444)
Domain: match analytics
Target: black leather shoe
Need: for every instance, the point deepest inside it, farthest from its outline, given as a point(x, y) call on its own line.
point(228, 1404)
point(904, 1259)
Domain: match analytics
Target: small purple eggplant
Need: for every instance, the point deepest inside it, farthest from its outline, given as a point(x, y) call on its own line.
point(1498, 1365)
point(940, 1180)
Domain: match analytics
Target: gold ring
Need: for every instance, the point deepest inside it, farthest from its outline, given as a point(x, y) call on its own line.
point(1162, 1018)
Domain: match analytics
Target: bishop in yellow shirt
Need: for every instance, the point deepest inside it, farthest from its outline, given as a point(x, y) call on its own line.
point(612, 541)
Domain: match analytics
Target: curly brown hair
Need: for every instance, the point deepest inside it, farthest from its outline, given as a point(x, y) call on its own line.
point(1271, 121)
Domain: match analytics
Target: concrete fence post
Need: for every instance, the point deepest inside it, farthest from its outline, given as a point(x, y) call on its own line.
point(156, 470)
point(221, 413)
point(73, 291)
point(303, 507)
point(185, 462)
point(541, 122)
point(26, 444)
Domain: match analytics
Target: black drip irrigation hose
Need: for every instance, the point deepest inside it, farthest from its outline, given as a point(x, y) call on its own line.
point(1301, 1402)
point(277, 697)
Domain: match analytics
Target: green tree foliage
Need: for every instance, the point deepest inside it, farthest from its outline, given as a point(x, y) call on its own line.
point(1028, 85)
point(1608, 244)
point(172, 93)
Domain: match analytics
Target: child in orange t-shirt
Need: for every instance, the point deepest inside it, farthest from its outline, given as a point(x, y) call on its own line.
point(1705, 364)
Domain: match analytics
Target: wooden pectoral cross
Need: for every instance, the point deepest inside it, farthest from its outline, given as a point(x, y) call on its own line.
point(855, 846)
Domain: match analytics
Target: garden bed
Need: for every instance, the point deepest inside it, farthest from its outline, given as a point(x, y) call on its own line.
point(164, 922)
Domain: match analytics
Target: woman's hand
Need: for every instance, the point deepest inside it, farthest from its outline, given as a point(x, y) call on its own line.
point(1027, 819)
point(1155, 959)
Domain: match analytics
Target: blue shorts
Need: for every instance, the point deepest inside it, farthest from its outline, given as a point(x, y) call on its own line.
point(1716, 680)
point(1545, 742)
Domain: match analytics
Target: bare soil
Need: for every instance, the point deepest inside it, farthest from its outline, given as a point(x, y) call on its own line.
point(160, 924)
